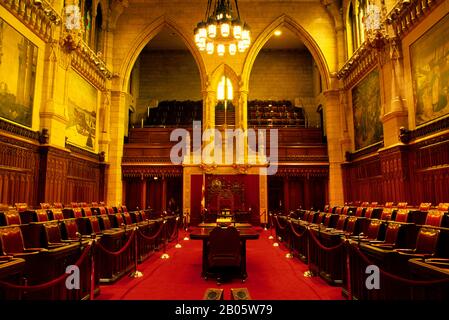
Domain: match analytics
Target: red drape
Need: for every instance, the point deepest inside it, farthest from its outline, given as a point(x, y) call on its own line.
point(196, 183)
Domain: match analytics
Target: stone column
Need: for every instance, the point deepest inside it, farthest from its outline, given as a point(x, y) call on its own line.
point(117, 132)
point(334, 147)
point(395, 112)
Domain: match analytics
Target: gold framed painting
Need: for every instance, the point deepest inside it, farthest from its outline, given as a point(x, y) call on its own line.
point(429, 59)
point(366, 107)
point(18, 64)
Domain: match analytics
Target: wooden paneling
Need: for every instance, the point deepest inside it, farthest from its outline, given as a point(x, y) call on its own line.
point(414, 173)
point(19, 170)
point(31, 172)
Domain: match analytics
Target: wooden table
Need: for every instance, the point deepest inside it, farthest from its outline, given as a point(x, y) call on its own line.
point(237, 225)
point(203, 234)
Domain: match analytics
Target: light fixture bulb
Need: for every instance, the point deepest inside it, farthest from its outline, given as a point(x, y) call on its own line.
point(225, 29)
point(237, 31)
point(232, 49)
point(277, 33)
point(221, 49)
point(202, 32)
point(212, 30)
point(202, 44)
point(210, 48)
point(241, 46)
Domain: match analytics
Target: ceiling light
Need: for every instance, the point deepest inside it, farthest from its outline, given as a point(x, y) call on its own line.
point(223, 29)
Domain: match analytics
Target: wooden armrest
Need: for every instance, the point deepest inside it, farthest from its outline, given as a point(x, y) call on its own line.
point(27, 250)
point(6, 258)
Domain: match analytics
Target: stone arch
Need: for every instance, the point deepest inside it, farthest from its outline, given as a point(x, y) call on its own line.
point(149, 33)
point(214, 79)
point(223, 69)
point(289, 23)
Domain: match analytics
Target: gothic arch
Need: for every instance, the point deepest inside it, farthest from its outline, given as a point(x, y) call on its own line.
point(289, 23)
point(149, 33)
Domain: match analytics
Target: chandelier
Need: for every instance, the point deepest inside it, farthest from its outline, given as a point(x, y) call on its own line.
point(222, 31)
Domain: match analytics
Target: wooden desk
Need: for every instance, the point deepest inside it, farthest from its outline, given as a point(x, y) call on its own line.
point(421, 270)
point(237, 225)
point(11, 271)
point(203, 234)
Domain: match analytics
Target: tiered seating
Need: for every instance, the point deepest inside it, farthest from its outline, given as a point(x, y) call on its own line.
point(175, 113)
point(275, 114)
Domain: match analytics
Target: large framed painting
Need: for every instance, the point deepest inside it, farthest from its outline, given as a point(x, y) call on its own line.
point(82, 113)
point(429, 57)
point(366, 108)
point(18, 63)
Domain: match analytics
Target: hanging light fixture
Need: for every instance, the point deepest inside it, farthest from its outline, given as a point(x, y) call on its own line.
point(222, 30)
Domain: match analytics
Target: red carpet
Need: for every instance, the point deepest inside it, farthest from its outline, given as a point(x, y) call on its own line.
point(270, 276)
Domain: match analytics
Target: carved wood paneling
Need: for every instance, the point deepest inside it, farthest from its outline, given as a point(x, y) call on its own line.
point(414, 173)
point(19, 170)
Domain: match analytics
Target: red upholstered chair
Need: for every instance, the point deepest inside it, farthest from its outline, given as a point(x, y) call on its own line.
point(94, 225)
point(365, 204)
point(391, 236)
point(372, 232)
point(12, 217)
point(350, 225)
point(53, 235)
point(426, 244)
point(443, 207)
point(369, 212)
point(402, 205)
point(425, 206)
point(388, 205)
point(359, 212)
point(321, 218)
point(103, 211)
point(402, 215)
point(116, 220)
point(224, 250)
point(70, 229)
point(87, 212)
point(45, 205)
point(21, 207)
point(327, 220)
point(58, 205)
point(386, 214)
point(56, 214)
point(345, 210)
point(110, 210)
point(124, 209)
point(338, 210)
point(311, 217)
point(127, 218)
point(12, 242)
point(42, 215)
point(434, 218)
point(75, 204)
point(77, 212)
point(341, 222)
point(105, 223)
